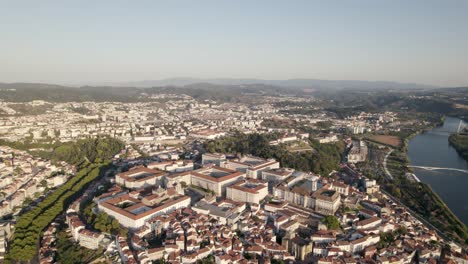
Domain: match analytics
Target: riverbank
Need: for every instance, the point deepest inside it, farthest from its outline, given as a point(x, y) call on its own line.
point(430, 148)
point(406, 138)
point(419, 196)
point(424, 201)
point(460, 143)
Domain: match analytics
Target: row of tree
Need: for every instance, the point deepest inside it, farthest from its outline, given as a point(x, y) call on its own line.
point(93, 156)
point(31, 224)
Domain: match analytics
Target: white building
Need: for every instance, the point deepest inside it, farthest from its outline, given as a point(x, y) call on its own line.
point(140, 177)
point(326, 138)
point(172, 166)
point(326, 201)
point(213, 158)
point(215, 178)
point(133, 210)
point(249, 191)
point(252, 166)
point(90, 239)
point(358, 152)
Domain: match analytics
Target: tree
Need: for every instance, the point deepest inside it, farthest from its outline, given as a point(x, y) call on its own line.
point(115, 224)
point(324, 124)
point(17, 171)
point(332, 222)
point(397, 193)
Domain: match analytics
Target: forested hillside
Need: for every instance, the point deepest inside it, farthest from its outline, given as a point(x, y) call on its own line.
point(94, 150)
point(323, 159)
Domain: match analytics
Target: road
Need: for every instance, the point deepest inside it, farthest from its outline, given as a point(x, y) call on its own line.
point(385, 165)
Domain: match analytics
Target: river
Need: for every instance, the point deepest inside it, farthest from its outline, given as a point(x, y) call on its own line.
point(432, 149)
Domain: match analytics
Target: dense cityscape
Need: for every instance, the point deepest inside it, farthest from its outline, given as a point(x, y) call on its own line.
point(225, 132)
point(201, 181)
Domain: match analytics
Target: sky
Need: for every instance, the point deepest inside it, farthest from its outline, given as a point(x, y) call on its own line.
point(421, 41)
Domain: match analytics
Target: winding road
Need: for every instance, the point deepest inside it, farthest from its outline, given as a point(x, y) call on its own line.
point(385, 165)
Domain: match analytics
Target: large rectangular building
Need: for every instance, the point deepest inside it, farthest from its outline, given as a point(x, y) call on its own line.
point(213, 158)
point(248, 191)
point(134, 209)
point(207, 134)
point(215, 178)
point(275, 176)
point(327, 201)
point(172, 166)
point(252, 166)
point(140, 177)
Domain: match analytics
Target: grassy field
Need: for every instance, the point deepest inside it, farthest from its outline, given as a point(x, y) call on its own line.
point(392, 141)
point(299, 146)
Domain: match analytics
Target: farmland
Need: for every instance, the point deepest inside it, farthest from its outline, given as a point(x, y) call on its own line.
point(392, 141)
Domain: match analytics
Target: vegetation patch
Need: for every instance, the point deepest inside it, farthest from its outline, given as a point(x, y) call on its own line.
point(331, 222)
point(460, 143)
point(70, 252)
point(27, 109)
point(299, 146)
point(325, 159)
point(279, 123)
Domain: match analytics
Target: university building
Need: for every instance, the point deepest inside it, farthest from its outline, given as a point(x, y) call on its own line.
point(140, 177)
point(134, 209)
point(247, 191)
point(251, 166)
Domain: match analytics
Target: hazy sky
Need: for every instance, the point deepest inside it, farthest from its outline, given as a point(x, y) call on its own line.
point(111, 41)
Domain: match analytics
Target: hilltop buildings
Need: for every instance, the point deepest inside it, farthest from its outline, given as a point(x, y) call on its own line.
point(251, 166)
point(133, 210)
point(140, 177)
point(248, 191)
point(327, 201)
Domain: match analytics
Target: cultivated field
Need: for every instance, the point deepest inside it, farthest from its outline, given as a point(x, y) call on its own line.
point(387, 140)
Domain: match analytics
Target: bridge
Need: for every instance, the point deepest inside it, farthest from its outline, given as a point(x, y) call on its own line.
point(437, 168)
point(461, 126)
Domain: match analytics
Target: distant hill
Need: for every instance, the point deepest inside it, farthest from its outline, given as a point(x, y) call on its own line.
point(314, 84)
point(25, 92)
point(443, 100)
